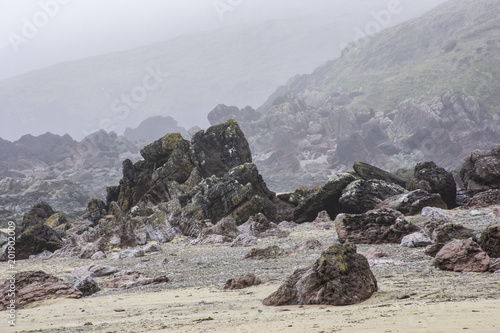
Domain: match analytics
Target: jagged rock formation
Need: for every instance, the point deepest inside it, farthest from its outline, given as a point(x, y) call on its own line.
point(481, 171)
point(339, 277)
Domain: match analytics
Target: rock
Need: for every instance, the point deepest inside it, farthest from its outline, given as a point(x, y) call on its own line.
point(89, 250)
point(214, 240)
point(259, 226)
point(35, 240)
point(57, 221)
point(38, 214)
point(242, 282)
point(373, 227)
point(435, 213)
point(370, 172)
point(324, 199)
point(152, 247)
point(310, 244)
point(373, 253)
point(99, 255)
point(485, 199)
point(131, 279)
point(244, 240)
point(130, 253)
point(412, 203)
point(323, 221)
point(490, 240)
point(36, 286)
point(361, 195)
point(88, 285)
point(432, 250)
point(270, 252)
point(463, 256)
point(221, 148)
point(94, 270)
point(481, 171)
point(416, 239)
point(339, 277)
point(442, 231)
point(96, 209)
point(42, 256)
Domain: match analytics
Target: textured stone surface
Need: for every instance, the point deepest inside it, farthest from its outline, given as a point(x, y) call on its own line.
point(339, 277)
point(131, 279)
point(481, 171)
point(490, 240)
point(412, 203)
point(373, 227)
point(242, 282)
point(463, 256)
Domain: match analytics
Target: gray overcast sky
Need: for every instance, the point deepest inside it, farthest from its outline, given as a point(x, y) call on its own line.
point(82, 28)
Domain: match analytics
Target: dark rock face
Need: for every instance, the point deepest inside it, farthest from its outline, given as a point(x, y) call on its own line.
point(324, 199)
point(88, 285)
point(220, 148)
point(485, 199)
point(36, 286)
point(339, 277)
point(35, 240)
point(370, 172)
point(95, 210)
point(38, 214)
point(412, 203)
point(481, 171)
point(363, 195)
point(373, 227)
point(490, 240)
point(431, 178)
point(242, 282)
point(463, 256)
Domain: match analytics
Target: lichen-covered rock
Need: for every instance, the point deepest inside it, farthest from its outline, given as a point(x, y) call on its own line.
point(370, 172)
point(481, 171)
point(463, 256)
point(442, 231)
point(242, 282)
point(57, 220)
point(412, 203)
point(363, 195)
point(96, 209)
point(373, 227)
point(38, 214)
point(431, 178)
point(221, 148)
point(490, 240)
point(35, 240)
point(339, 277)
point(88, 285)
point(327, 198)
point(34, 286)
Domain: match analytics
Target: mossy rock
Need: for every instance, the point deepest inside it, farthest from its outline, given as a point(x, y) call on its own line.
point(56, 220)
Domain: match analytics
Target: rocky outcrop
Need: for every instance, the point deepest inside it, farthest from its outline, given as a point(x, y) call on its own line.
point(412, 203)
point(325, 199)
point(485, 199)
point(373, 227)
point(242, 282)
point(490, 240)
point(463, 256)
point(33, 287)
point(339, 277)
point(34, 240)
point(443, 231)
point(481, 171)
point(96, 209)
point(362, 195)
point(433, 179)
point(370, 172)
point(38, 214)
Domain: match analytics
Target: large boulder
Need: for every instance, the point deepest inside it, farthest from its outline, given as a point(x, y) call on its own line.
point(443, 231)
point(490, 240)
point(463, 256)
point(34, 286)
point(34, 240)
point(412, 203)
point(433, 179)
point(373, 227)
point(370, 172)
point(38, 214)
point(481, 171)
point(95, 210)
point(485, 199)
point(363, 195)
point(327, 198)
point(339, 277)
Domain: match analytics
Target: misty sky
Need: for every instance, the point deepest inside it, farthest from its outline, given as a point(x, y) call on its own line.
point(35, 34)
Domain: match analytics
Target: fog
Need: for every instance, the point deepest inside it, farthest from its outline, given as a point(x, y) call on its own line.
point(38, 34)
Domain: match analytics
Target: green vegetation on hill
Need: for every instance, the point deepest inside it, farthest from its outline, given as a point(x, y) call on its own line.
point(456, 46)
